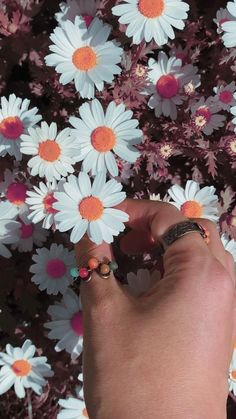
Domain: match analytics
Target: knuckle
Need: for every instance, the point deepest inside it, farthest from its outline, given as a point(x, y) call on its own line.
point(208, 225)
point(219, 279)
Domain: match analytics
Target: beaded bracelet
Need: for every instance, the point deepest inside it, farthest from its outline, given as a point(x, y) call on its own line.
point(85, 273)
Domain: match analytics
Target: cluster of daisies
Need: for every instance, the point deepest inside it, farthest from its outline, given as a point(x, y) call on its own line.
point(97, 141)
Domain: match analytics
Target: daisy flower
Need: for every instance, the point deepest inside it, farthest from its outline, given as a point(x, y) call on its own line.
point(72, 8)
point(148, 19)
point(229, 245)
point(87, 208)
point(141, 282)
point(167, 78)
point(102, 134)
point(233, 110)
point(84, 55)
point(229, 27)
point(14, 191)
point(67, 324)
point(54, 154)
point(231, 147)
point(23, 370)
point(194, 202)
point(205, 116)
point(15, 119)
point(225, 97)
point(29, 235)
point(232, 373)
point(52, 268)
point(40, 203)
point(9, 228)
point(222, 16)
point(72, 409)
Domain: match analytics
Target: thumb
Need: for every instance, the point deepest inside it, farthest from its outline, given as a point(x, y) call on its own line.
point(99, 289)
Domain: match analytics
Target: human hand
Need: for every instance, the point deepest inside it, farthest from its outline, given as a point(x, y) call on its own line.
point(165, 354)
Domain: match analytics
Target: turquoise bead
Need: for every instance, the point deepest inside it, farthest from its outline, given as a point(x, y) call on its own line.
point(74, 272)
point(113, 266)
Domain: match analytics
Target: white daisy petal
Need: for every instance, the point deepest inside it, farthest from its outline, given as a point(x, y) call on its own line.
point(90, 209)
point(101, 135)
point(52, 270)
point(20, 370)
point(167, 78)
point(55, 153)
point(192, 203)
point(67, 324)
point(147, 21)
point(80, 53)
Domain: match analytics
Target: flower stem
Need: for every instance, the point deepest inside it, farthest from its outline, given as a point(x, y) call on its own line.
point(30, 410)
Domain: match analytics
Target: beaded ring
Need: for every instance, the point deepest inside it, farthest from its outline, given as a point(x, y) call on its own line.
point(103, 269)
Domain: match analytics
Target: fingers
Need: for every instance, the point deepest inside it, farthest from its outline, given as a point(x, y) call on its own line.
point(214, 243)
point(137, 242)
point(98, 289)
point(152, 219)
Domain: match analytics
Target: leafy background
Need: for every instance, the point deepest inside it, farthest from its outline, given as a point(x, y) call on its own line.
point(25, 26)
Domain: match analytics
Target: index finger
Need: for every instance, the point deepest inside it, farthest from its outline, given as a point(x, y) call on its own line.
point(149, 220)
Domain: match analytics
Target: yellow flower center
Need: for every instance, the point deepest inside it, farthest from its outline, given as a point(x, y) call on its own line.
point(200, 121)
point(166, 151)
point(151, 8)
point(21, 367)
point(84, 58)
point(103, 139)
point(191, 209)
point(232, 146)
point(49, 150)
point(140, 70)
point(91, 208)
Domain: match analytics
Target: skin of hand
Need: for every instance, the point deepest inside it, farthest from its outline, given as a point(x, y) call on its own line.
point(167, 353)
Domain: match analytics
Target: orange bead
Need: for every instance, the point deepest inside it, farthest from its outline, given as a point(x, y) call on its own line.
point(93, 263)
point(104, 269)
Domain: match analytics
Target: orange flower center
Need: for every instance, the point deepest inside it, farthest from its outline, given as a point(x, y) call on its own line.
point(167, 86)
point(11, 127)
point(49, 150)
point(84, 58)
point(191, 209)
point(85, 413)
point(21, 367)
point(48, 201)
point(16, 193)
point(151, 8)
point(233, 375)
point(103, 139)
point(91, 208)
